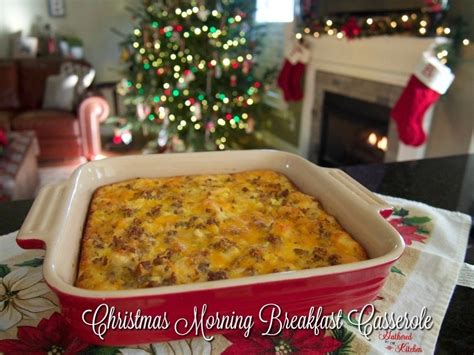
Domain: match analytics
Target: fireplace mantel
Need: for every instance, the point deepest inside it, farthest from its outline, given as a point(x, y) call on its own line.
point(384, 59)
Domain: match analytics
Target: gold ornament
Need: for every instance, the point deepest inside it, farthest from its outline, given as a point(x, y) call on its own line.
point(124, 55)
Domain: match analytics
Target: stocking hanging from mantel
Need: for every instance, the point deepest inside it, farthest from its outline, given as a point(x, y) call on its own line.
point(290, 79)
point(430, 80)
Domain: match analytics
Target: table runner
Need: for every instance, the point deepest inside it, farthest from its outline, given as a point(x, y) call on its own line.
point(423, 278)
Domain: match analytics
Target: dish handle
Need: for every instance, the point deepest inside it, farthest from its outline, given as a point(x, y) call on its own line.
point(384, 209)
point(41, 222)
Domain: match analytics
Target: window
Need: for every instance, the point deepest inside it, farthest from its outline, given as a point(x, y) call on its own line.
point(275, 11)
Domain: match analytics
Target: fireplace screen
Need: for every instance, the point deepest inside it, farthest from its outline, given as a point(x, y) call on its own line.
point(353, 131)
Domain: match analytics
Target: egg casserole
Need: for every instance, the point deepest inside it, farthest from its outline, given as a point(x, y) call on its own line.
point(150, 232)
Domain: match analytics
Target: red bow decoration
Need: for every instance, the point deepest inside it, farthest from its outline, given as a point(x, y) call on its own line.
point(434, 5)
point(351, 28)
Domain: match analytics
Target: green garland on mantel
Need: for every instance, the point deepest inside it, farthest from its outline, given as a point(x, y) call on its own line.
point(420, 24)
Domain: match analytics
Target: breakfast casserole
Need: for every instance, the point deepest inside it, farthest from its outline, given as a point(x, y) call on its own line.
point(150, 232)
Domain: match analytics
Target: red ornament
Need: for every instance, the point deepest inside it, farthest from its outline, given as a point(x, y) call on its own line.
point(235, 65)
point(167, 92)
point(257, 84)
point(192, 100)
point(160, 71)
point(228, 116)
point(3, 138)
point(117, 139)
point(433, 6)
point(351, 28)
point(178, 28)
point(162, 31)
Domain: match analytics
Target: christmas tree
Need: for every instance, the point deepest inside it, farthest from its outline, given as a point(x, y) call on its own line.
point(190, 72)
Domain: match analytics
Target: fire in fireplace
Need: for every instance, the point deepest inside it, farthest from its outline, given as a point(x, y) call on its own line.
point(376, 141)
point(353, 131)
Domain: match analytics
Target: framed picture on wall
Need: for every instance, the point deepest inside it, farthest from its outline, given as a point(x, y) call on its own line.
point(22, 46)
point(57, 8)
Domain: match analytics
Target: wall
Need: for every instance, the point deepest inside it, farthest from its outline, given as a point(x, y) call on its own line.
point(90, 20)
point(453, 121)
point(279, 122)
point(464, 9)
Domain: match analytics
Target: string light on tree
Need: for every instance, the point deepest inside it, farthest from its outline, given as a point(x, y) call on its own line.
point(191, 66)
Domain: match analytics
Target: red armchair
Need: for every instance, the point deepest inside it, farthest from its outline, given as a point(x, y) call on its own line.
point(61, 134)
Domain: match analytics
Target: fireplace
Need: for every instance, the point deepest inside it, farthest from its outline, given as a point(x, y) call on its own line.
point(373, 70)
point(353, 131)
point(351, 121)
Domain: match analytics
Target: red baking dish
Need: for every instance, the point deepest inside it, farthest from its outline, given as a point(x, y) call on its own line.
point(56, 222)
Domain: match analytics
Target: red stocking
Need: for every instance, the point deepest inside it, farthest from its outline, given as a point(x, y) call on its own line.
point(410, 110)
point(430, 80)
point(291, 75)
point(284, 79)
point(296, 83)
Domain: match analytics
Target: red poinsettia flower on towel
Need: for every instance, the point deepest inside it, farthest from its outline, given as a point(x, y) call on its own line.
point(50, 336)
point(408, 233)
point(411, 228)
point(299, 341)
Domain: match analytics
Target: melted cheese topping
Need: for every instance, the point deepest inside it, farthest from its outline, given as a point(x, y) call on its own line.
point(165, 231)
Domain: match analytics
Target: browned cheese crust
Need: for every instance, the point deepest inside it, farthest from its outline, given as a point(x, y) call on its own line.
point(179, 230)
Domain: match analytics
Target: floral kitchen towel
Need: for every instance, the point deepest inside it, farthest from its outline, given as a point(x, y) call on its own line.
point(420, 285)
point(422, 280)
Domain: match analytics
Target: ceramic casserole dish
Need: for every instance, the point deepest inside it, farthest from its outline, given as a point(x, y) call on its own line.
point(57, 217)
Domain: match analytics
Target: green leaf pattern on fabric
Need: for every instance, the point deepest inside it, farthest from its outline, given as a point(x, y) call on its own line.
point(345, 337)
point(415, 221)
point(4, 270)
point(397, 270)
point(32, 263)
point(400, 212)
